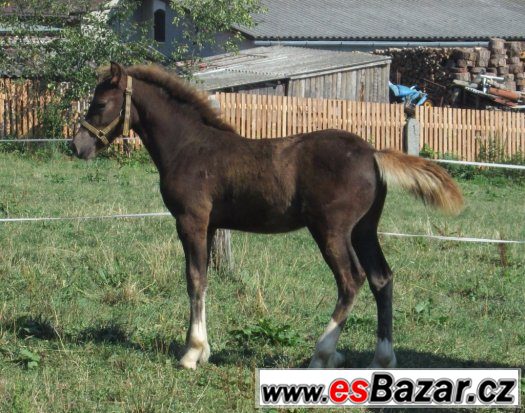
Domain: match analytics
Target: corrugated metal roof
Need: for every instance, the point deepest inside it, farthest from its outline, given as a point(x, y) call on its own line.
point(390, 20)
point(263, 64)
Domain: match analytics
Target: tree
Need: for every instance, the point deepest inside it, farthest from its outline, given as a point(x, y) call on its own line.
point(62, 41)
point(200, 20)
point(66, 40)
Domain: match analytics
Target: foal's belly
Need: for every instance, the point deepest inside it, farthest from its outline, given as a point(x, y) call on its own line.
point(263, 228)
point(264, 219)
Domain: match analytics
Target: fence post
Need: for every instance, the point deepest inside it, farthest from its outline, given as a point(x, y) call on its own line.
point(411, 136)
point(221, 252)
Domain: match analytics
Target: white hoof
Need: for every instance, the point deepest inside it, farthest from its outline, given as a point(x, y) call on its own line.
point(188, 364)
point(384, 357)
point(205, 354)
point(193, 355)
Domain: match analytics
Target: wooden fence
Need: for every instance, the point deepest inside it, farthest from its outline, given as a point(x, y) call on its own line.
point(460, 132)
point(20, 106)
point(24, 105)
point(263, 116)
point(463, 132)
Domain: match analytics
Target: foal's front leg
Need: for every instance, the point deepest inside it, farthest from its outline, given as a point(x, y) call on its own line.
point(194, 236)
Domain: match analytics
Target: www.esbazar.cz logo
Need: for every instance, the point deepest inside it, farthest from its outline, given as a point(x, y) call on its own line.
point(400, 387)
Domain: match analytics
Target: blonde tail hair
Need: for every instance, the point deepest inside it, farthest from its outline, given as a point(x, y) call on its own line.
point(422, 178)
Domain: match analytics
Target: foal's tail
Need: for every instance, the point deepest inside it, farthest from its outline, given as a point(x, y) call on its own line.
point(422, 178)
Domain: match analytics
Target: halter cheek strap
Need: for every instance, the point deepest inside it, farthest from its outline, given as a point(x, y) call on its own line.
point(102, 134)
point(127, 109)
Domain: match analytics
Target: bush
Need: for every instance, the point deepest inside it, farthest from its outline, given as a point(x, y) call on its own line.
point(51, 121)
point(491, 151)
point(37, 150)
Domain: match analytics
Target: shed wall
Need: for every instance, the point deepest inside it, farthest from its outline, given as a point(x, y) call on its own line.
point(272, 89)
point(364, 85)
point(368, 84)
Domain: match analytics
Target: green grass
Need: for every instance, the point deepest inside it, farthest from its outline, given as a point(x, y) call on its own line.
point(93, 314)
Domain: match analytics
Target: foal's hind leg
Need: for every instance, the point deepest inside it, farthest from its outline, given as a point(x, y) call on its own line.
point(349, 280)
point(384, 356)
point(380, 281)
point(196, 241)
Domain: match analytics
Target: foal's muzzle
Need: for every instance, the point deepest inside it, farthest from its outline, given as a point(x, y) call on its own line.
point(83, 145)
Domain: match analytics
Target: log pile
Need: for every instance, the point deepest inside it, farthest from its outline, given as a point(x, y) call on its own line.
point(409, 66)
point(443, 65)
point(503, 59)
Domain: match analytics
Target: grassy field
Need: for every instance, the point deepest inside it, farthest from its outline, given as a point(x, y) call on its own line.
point(93, 314)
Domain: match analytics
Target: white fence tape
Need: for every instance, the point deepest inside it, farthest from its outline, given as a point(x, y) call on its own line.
point(31, 140)
point(34, 140)
point(166, 214)
point(485, 164)
point(86, 218)
point(457, 239)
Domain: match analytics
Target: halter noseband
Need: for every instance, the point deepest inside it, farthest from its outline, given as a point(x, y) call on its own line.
point(101, 134)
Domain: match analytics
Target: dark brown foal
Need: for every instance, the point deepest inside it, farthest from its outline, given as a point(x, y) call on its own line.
point(331, 182)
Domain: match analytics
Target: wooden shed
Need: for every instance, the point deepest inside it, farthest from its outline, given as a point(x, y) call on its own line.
point(297, 71)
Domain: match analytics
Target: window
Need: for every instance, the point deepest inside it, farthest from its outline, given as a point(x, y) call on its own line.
point(159, 25)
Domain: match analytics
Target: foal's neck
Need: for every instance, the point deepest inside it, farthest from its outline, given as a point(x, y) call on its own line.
point(165, 125)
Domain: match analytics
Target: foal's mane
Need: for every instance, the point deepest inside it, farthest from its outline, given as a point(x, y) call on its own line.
point(182, 91)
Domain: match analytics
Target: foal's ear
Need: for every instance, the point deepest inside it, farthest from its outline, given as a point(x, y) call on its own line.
point(117, 72)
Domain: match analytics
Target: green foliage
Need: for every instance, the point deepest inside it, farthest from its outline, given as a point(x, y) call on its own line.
point(64, 46)
point(459, 171)
point(200, 20)
point(427, 152)
point(134, 157)
point(27, 358)
point(491, 151)
point(36, 150)
point(69, 41)
point(51, 119)
point(423, 307)
point(266, 331)
point(425, 312)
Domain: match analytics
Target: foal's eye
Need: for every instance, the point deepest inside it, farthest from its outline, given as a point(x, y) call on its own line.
point(99, 105)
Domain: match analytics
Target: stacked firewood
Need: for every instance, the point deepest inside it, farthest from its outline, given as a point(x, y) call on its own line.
point(410, 66)
point(502, 59)
point(441, 65)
